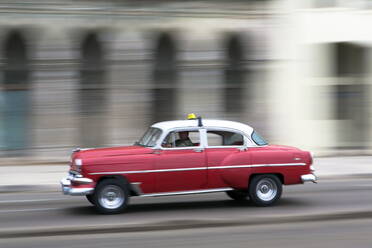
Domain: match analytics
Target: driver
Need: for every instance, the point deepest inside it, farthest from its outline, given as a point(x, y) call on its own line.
point(184, 139)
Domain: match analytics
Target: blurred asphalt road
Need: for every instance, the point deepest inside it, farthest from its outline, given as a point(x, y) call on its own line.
point(48, 211)
point(341, 234)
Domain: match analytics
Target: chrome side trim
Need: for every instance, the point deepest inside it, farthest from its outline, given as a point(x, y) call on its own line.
point(199, 168)
point(188, 192)
point(148, 171)
point(255, 166)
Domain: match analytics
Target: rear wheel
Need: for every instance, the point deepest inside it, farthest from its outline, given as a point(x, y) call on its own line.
point(265, 190)
point(238, 195)
point(111, 196)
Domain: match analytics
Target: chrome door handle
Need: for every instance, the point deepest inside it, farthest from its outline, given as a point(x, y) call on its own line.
point(198, 149)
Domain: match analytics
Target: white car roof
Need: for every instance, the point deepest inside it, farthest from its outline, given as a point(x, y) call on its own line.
point(166, 125)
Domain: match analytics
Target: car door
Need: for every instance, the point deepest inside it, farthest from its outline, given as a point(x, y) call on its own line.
point(181, 168)
point(225, 149)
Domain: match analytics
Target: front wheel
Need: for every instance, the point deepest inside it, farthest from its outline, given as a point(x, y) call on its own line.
point(111, 196)
point(265, 190)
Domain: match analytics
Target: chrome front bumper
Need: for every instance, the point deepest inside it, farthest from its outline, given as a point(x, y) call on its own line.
point(67, 189)
point(308, 178)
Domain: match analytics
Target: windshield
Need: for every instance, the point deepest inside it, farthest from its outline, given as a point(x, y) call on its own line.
point(258, 139)
point(150, 137)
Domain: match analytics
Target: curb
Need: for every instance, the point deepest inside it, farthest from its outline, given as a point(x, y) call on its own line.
point(346, 176)
point(179, 225)
point(30, 163)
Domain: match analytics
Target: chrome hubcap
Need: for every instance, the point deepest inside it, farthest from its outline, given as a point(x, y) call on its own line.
point(111, 197)
point(266, 189)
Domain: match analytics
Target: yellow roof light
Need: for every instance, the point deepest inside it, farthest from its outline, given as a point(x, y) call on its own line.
point(191, 116)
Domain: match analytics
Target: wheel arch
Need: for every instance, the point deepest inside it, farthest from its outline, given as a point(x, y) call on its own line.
point(279, 175)
point(120, 178)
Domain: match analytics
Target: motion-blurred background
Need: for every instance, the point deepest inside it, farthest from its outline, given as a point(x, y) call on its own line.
point(79, 73)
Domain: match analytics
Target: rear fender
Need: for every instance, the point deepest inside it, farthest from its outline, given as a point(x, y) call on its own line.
point(236, 177)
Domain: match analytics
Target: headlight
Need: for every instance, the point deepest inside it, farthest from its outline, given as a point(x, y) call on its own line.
point(78, 163)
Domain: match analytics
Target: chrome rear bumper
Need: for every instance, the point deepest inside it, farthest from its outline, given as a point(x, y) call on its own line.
point(308, 178)
point(67, 189)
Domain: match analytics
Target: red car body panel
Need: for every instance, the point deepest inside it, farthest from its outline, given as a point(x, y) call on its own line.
point(218, 157)
point(175, 170)
point(169, 181)
point(113, 161)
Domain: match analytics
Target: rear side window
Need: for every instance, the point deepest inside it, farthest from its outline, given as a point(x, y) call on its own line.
point(224, 138)
point(258, 139)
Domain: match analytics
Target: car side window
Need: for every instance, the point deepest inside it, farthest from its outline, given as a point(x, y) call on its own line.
point(224, 138)
point(214, 139)
point(182, 138)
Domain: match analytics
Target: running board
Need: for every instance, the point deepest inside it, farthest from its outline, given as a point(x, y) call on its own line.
point(203, 191)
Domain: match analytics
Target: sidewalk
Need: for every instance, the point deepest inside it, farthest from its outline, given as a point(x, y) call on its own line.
point(46, 177)
point(343, 166)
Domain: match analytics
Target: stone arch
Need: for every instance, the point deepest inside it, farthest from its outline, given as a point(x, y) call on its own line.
point(164, 79)
point(234, 75)
point(92, 90)
point(350, 95)
point(16, 94)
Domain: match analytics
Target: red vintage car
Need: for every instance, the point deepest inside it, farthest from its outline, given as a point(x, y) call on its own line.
point(188, 157)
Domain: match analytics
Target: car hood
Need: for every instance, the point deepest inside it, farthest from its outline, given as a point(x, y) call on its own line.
point(112, 151)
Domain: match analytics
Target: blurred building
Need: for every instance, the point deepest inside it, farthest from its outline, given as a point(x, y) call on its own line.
point(321, 77)
point(93, 73)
